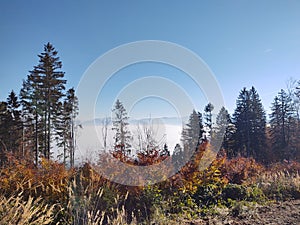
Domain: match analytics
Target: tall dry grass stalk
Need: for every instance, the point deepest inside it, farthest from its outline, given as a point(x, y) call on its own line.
point(280, 185)
point(15, 210)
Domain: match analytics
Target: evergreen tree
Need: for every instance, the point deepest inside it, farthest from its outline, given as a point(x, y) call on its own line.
point(71, 107)
point(66, 125)
point(282, 125)
point(258, 134)
point(250, 124)
point(14, 124)
point(208, 120)
point(297, 91)
point(41, 94)
point(192, 134)
point(62, 127)
point(223, 132)
point(120, 123)
point(165, 151)
point(241, 119)
point(4, 118)
point(31, 111)
point(10, 127)
point(177, 157)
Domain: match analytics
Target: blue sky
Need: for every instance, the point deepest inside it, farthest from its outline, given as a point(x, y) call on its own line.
point(244, 42)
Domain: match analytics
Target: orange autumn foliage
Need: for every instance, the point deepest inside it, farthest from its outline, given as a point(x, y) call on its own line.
point(49, 180)
point(240, 170)
point(202, 169)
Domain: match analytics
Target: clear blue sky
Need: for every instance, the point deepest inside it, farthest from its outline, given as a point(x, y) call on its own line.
point(244, 42)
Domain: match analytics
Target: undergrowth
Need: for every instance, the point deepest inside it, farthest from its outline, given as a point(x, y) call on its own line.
point(52, 194)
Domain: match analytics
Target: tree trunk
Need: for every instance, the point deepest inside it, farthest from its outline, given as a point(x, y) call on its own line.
point(36, 140)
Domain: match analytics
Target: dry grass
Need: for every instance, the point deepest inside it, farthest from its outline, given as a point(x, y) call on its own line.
point(14, 210)
point(281, 185)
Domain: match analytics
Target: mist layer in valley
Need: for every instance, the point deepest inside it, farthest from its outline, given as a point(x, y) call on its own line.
point(91, 136)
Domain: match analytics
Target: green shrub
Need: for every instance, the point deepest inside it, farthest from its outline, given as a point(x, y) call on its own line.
point(207, 195)
point(234, 192)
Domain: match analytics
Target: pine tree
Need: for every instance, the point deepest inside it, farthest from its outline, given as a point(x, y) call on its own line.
point(62, 132)
point(177, 157)
point(122, 135)
point(72, 109)
point(165, 151)
point(31, 110)
point(208, 120)
point(241, 119)
point(192, 134)
point(66, 126)
point(250, 124)
point(223, 132)
point(10, 127)
point(297, 91)
point(258, 125)
point(14, 125)
point(4, 118)
point(41, 94)
point(282, 125)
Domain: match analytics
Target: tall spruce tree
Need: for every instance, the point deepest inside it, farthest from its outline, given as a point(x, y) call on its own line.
point(297, 91)
point(241, 120)
point(120, 123)
point(177, 157)
point(250, 123)
point(71, 107)
point(31, 110)
point(192, 135)
point(258, 126)
point(223, 131)
point(208, 120)
point(4, 118)
point(41, 95)
point(66, 126)
point(14, 124)
point(282, 126)
point(10, 127)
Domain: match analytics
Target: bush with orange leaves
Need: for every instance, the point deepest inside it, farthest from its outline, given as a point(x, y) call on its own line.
point(199, 183)
point(50, 180)
point(141, 174)
point(240, 170)
point(203, 168)
point(134, 172)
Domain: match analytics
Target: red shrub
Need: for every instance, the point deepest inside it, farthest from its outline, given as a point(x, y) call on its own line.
point(240, 170)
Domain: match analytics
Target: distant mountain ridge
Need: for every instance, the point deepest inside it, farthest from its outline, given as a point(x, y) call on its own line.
point(164, 120)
